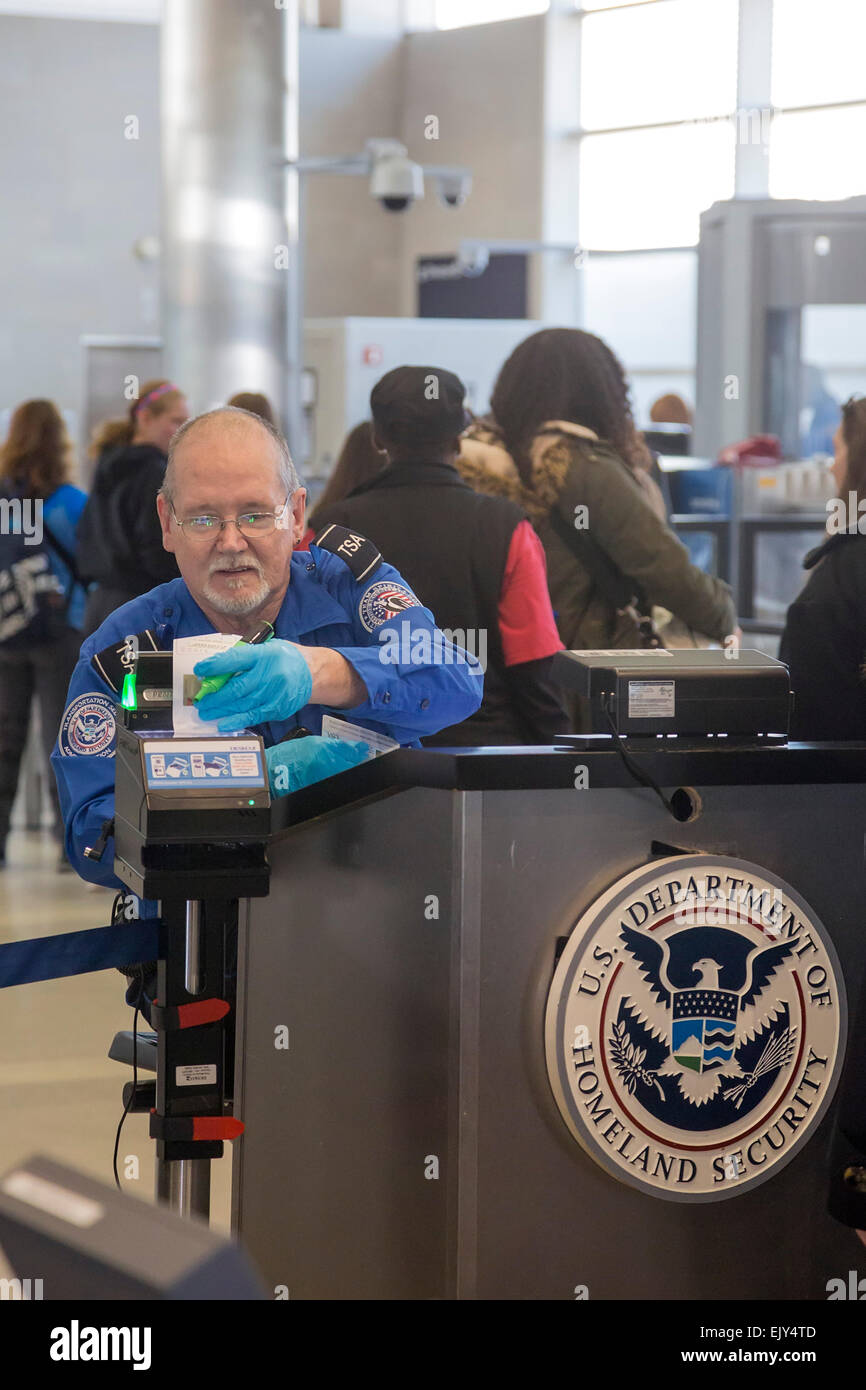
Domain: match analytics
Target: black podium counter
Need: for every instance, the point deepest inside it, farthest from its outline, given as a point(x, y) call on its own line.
point(533, 768)
point(509, 1028)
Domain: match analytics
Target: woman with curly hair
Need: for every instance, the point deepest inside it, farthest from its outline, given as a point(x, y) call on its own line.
point(35, 466)
point(824, 642)
point(561, 441)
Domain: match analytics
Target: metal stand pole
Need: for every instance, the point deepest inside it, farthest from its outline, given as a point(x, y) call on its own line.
point(190, 1081)
point(192, 949)
point(184, 1185)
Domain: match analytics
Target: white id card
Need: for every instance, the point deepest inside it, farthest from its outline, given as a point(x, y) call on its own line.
point(185, 653)
point(339, 728)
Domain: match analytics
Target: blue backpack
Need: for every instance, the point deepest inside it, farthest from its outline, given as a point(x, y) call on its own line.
point(33, 605)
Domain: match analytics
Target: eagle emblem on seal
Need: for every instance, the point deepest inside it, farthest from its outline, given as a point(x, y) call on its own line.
point(705, 1026)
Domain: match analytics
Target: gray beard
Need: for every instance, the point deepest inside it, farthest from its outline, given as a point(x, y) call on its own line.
point(236, 606)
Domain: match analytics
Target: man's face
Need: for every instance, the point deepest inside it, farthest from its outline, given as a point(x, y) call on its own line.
point(230, 470)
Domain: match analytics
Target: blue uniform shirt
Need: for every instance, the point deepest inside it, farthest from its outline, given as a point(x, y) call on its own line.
point(412, 692)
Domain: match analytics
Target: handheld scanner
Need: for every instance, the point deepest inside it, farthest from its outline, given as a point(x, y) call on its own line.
point(211, 684)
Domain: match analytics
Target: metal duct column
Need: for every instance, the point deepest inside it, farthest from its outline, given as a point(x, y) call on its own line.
point(229, 210)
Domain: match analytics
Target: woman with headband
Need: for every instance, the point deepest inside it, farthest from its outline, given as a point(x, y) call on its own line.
point(119, 537)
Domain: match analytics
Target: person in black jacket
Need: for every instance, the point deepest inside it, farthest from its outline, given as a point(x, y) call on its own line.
point(824, 642)
point(474, 560)
point(119, 535)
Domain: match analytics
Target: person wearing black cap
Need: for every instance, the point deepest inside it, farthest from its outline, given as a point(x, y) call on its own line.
point(474, 560)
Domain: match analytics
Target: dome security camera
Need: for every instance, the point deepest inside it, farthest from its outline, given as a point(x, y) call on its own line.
point(395, 179)
point(454, 189)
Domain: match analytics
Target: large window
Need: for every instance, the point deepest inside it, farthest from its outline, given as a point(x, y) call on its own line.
point(819, 154)
point(454, 14)
point(608, 4)
point(818, 52)
point(660, 81)
point(643, 305)
point(668, 61)
point(645, 188)
point(818, 62)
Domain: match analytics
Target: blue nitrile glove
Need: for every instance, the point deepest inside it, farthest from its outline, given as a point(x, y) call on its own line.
point(271, 681)
point(301, 761)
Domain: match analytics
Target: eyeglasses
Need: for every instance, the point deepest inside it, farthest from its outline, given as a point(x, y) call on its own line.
point(250, 524)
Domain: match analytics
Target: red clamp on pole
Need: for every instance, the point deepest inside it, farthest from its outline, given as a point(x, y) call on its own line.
point(168, 1020)
point(186, 1128)
point(216, 1127)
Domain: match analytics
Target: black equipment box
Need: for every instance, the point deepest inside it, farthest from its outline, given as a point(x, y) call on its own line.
point(145, 700)
point(190, 813)
point(692, 693)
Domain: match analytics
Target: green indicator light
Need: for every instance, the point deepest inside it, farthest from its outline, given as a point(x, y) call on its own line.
point(127, 696)
point(251, 801)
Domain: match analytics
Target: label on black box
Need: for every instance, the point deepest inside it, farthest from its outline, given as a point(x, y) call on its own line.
point(202, 1074)
point(651, 699)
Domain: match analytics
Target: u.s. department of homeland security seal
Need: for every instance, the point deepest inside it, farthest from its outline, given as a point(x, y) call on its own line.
point(384, 601)
point(695, 1027)
point(88, 727)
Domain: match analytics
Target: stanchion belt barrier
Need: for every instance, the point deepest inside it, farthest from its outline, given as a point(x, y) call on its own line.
point(78, 952)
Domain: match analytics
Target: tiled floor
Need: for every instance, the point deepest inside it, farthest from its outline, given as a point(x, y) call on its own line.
point(59, 1094)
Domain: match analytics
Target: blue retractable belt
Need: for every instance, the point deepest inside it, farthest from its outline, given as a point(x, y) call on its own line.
point(78, 952)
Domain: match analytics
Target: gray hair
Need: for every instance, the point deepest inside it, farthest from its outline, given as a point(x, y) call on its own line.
point(288, 473)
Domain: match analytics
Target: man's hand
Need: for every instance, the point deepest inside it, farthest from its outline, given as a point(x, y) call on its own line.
point(268, 682)
point(301, 761)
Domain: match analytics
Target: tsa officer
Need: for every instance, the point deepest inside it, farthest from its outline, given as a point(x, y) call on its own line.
point(232, 510)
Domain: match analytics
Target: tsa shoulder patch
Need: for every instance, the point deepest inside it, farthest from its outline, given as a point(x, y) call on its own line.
point(359, 554)
point(113, 662)
point(88, 728)
point(384, 601)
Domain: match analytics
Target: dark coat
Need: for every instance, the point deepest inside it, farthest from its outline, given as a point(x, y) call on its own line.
point(119, 535)
point(451, 545)
point(824, 643)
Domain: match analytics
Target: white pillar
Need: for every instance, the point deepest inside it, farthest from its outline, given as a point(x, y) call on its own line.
point(230, 210)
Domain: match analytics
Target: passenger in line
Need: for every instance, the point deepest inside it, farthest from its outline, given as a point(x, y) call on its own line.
point(40, 625)
point(561, 443)
point(824, 642)
point(256, 403)
point(475, 561)
point(671, 409)
point(119, 539)
point(358, 463)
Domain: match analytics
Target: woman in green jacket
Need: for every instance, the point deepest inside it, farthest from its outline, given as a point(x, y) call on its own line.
point(561, 441)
